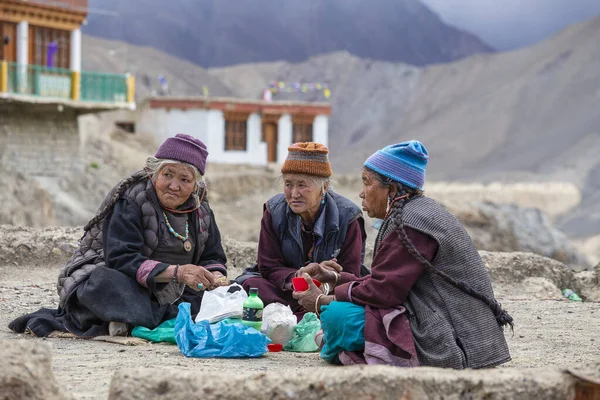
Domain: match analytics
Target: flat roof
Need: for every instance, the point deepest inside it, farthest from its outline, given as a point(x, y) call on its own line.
point(233, 104)
point(81, 107)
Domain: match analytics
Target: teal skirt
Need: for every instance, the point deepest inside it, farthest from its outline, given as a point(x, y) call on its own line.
point(343, 327)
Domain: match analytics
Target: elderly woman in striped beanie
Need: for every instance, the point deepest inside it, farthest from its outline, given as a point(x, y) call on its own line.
point(306, 229)
point(429, 298)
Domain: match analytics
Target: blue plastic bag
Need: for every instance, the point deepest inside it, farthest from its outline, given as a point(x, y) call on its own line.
point(223, 339)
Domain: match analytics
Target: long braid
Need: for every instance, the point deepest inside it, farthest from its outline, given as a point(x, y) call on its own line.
point(117, 191)
point(502, 317)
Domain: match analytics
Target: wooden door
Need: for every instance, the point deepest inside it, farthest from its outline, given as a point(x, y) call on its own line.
point(270, 130)
point(8, 32)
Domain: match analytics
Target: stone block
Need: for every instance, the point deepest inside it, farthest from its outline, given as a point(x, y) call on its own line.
point(373, 382)
point(26, 372)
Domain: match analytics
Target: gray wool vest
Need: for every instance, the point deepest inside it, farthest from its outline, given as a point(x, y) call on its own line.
point(330, 228)
point(451, 328)
point(90, 251)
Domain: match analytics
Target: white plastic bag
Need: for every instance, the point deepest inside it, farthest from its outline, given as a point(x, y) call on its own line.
point(278, 323)
point(222, 302)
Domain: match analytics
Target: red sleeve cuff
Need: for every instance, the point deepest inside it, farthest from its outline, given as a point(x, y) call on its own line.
point(145, 270)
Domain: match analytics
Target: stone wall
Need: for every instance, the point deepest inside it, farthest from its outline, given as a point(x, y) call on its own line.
point(359, 382)
point(43, 142)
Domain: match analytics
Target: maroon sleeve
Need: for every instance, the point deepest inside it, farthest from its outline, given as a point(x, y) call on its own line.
point(393, 273)
point(349, 256)
point(271, 262)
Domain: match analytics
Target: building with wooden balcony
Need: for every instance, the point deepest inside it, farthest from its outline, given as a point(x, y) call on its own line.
point(40, 56)
point(43, 89)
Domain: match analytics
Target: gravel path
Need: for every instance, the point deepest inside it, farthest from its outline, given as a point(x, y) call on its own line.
point(547, 333)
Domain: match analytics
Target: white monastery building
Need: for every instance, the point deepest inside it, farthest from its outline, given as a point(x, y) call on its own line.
point(236, 131)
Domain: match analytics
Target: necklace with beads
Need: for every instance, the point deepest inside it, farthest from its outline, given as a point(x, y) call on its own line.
point(187, 245)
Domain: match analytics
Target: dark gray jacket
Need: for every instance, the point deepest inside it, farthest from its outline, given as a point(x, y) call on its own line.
point(451, 328)
point(330, 228)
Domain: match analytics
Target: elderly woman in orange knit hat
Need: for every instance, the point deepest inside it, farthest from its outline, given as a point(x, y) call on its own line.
point(308, 228)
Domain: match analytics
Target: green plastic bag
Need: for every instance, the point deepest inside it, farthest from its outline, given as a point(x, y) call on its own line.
point(165, 332)
point(304, 335)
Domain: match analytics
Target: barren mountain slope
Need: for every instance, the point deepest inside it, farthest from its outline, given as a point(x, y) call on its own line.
point(531, 113)
point(227, 32)
point(146, 64)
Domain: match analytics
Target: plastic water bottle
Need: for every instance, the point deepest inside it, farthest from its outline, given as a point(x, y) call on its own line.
point(571, 295)
point(253, 310)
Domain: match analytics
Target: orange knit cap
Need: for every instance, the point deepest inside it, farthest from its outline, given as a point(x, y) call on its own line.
point(307, 158)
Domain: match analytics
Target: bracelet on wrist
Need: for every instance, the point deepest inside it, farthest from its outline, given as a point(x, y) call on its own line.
point(175, 280)
point(337, 279)
point(317, 305)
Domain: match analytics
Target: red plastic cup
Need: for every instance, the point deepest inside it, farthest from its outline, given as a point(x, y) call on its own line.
point(275, 347)
point(300, 284)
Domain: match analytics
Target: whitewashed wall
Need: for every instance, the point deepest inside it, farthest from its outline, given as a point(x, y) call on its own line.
point(320, 129)
point(76, 50)
point(284, 139)
point(162, 124)
point(23, 43)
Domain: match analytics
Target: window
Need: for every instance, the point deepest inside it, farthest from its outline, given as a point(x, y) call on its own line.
point(302, 133)
point(127, 126)
point(51, 47)
point(302, 128)
point(235, 131)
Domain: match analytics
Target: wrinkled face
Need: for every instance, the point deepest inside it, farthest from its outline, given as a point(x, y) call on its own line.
point(174, 185)
point(303, 195)
point(374, 194)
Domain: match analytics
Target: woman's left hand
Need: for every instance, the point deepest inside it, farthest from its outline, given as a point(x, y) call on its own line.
point(220, 279)
point(308, 298)
point(318, 272)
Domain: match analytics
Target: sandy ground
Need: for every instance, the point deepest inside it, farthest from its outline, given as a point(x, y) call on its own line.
point(548, 333)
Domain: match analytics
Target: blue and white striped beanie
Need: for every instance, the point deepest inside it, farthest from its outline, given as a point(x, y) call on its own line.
point(403, 162)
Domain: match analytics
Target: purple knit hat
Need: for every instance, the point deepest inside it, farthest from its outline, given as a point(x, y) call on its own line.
point(184, 148)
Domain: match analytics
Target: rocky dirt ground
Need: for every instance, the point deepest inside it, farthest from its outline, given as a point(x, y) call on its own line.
point(549, 331)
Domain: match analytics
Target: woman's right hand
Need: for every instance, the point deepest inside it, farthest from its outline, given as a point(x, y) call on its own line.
point(194, 275)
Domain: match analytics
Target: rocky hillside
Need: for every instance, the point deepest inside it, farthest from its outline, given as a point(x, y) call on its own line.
point(228, 32)
point(146, 64)
point(238, 192)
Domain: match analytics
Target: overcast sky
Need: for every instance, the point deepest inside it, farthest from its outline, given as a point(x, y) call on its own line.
point(509, 24)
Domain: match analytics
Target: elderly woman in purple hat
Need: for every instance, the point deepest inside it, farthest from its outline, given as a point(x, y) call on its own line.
point(153, 244)
point(429, 298)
